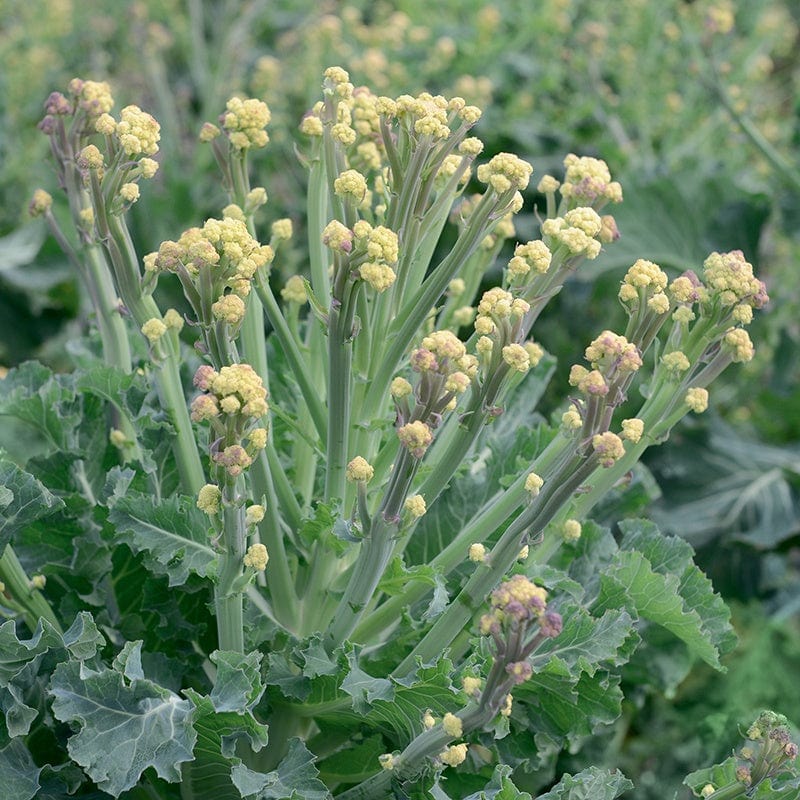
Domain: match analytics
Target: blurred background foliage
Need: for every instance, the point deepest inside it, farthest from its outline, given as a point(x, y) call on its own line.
point(696, 108)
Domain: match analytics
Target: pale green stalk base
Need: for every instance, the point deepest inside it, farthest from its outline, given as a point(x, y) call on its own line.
point(30, 602)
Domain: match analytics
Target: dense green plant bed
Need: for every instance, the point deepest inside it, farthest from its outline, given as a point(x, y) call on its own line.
point(307, 536)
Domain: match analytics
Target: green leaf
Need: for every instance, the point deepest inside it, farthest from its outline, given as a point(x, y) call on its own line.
point(81, 641)
point(397, 575)
point(316, 660)
point(586, 643)
point(237, 686)
point(208, 776)
point(428, 686)
point(33, 395)
point(322, 528)
point(500, 787)
point(355, 763)
point(363, 688)
point(125, 726)
point(172, 534)
point(24, 500)
point(630, 582)
point(20, 774)
point(590, 784)
point(295, 778)
point(671, 555)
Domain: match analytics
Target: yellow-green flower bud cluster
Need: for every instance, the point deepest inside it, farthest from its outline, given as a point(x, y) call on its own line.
point(245, 121)
point(208, 499)
point(138, 132)
point(237, 392)
point(608, 447)
point(577, 231)
point(588, 182)
point(454, 755)
point(517, 600)
point(256, 557)
point(737, 343)
point(94, 97)
point(642, 282)
point(696, 399)
point(505, 172)
point(534, 255)
point(295, 291)
point(416, 437)
point(359, 470)
point(612, 352)
point(730, 278)
point(415, 506)
point(226, 249)
point(40, 203)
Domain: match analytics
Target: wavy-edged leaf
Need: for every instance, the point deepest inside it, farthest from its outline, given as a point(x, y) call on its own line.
point(630, 582)
point(355, 763)
point(172, 534)
point(237, 686)
point(590, 784)
point(24, 500)
point(208, 776)
point(362, 687)
point(125, 726)
point(671, 555)
point(32, 394)
point(295, 778)
point(18, 770)
point(587, 643)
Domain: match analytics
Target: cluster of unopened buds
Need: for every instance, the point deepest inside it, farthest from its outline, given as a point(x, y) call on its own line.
point(371, 251)
point(518, 623)
point(445, 371)
point(216, 265)
point(233, 402)
point(769, 752)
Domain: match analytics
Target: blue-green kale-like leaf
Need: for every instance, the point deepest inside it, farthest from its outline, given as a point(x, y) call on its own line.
point(590, 784)
point(126, 725)
point(171, 533)
point(295, 778)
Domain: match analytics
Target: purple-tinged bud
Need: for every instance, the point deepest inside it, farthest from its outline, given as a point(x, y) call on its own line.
point(57, 105)
point(48, 125)
point(790, 750)
point(743, 775)
point(203, 377)
point(520, 671)
point(551, 624)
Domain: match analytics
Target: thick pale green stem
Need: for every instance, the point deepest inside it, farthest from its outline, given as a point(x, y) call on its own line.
point(30, 601)
point(124, 264)
point(293, 355)
point(227, 594)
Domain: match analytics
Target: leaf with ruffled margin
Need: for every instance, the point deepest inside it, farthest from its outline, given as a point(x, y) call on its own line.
point(295, 778)
point(24, 499)
point(126, 726)
point(32, 394)
point(208, 776)
point(362, 687)
point(672, 555)
point(172, 534)
point(585, 642)
point(428, 686)
point(21, 660)
point(500, 787)
point(668, 591)
point(590, 784)
point(19, 772)
point(220, 720)
point(237, 686)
